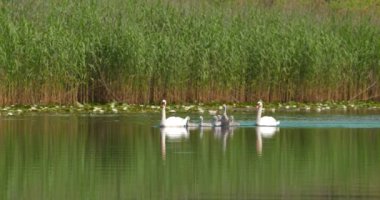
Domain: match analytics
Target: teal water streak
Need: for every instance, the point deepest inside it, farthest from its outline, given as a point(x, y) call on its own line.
point(126, 157)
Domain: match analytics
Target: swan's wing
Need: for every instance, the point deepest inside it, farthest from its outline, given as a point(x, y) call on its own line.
point(225, 121)
point(268, 118)
point(268, 121)
point(175, 121)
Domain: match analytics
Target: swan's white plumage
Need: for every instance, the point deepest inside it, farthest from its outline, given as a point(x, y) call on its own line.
point(175, 122)
point(266, 120)
point(172, 121)
point(216, 121)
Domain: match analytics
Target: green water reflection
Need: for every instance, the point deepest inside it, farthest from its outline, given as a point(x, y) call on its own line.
point(126, 157)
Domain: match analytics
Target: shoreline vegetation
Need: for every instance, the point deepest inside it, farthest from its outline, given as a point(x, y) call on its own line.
point(98, 51)
point(200, 108)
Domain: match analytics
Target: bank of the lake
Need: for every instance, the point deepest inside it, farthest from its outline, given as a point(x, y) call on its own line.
point(199, 108)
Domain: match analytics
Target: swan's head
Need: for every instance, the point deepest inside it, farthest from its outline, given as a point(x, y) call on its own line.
point(200, 117)
point(163, 103)
point(259, 104)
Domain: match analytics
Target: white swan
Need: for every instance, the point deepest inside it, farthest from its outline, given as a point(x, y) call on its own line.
point(172, 121)
point(264, 121)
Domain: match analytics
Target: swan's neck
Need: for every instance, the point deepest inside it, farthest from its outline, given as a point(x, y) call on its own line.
point(260, 110)
point(163, 116)
point(225, 113)
point(187, 120)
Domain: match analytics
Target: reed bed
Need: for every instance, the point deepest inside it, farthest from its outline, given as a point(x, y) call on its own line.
point(61, 52)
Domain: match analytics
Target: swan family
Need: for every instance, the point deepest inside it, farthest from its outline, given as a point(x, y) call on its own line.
point(218, 120)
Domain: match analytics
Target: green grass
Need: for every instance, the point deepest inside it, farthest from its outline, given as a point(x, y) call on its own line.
point(142, 51)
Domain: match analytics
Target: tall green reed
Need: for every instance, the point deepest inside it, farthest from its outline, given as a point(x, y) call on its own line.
point(143, 51)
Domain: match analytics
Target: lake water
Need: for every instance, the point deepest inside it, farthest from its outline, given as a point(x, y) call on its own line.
point(126, 156)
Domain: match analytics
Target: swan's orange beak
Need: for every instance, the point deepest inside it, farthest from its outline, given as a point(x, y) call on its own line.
point(257, 106)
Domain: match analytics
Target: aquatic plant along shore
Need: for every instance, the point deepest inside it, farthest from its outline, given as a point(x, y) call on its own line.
point(63, 52)
point(196, 109)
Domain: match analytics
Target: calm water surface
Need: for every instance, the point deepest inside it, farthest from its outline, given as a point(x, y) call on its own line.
point(311, 156)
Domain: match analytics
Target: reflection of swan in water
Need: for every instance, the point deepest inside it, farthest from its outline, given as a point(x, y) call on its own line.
point(204, 128)
point(224, 133)
point(267, 131)
point(264, 132)
point(172, 133)
point(219, 132)
point(175, 132)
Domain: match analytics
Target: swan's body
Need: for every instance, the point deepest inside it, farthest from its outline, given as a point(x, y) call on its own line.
point(266, 120)
point(225, 122)
point(172, 121)
point(204, 124)
point(216, 122)
point(232, 122)
point(175, 122)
